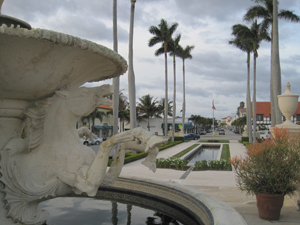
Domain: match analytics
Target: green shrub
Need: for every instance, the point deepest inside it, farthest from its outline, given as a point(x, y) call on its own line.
point(211, 140)
point(245, 139)
point(204, 164)
point(182, 139)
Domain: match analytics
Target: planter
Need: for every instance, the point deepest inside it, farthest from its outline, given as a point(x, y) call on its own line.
point(269, 205)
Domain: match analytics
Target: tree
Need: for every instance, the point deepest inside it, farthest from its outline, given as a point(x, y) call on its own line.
point(96, 114)
point(148, 107)
point(184, 53)
point(124, 114)
point(116, 80)
point(196, 120)
point(264, 10)
point(131, 77)
point(174, 48)
point(254, 36)
point(239, 109)
point(243, 44)
point(163, 33)
point(161, 108)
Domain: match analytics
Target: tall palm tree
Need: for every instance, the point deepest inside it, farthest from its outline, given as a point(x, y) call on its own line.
point(163, 33)
point(184, 53)
point(116, 80)
point(264, 10)
point(259, 33)
point(131, 77)
point(174, 47)
point(243, 44)
point(148, 107)
point(254, 35)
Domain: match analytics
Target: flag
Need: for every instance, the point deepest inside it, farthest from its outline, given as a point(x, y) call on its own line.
point(213, 105)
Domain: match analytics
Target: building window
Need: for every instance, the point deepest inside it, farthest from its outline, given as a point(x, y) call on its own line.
point(259, 117)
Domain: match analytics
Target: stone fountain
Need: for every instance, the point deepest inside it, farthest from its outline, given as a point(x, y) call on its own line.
point(42, 156)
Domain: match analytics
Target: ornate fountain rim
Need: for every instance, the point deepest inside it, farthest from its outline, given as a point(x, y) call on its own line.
point(71, 61)
point(204, 207)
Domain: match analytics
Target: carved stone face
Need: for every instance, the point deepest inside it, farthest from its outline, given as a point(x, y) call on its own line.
point(82, 101)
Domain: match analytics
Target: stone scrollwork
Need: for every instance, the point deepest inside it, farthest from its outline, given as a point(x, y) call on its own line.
point(48, 159)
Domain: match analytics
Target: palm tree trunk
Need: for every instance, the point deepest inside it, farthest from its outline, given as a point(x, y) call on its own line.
point(148, 124)
point(174, 99)
point(183, 103)
point(116, 80)
point(254, 97)
point(249, 125)
point(166, 91)
point(131, 77)
point(275, 66)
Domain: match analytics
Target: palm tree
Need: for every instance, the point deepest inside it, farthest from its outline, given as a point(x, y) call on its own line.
point(163, 33)
point(259, 33)
point(254, 36)
point(124, 114)
point(264, 10)
point(184, 53)
point(174, 46)
point(197, 120)
point(161, 108)
point(116, 80)
point(96, 114)
point(148, 107)
point(131, 77)
point(239, 31)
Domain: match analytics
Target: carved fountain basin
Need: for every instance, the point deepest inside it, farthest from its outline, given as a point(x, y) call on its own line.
point(37, 62)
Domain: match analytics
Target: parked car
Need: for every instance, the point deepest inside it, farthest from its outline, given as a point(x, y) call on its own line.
point(96, 141)
point(209, 131)
point(202, 132)
point(85, 142)
point(264, 134)
point(192, 136)
point(222, 131)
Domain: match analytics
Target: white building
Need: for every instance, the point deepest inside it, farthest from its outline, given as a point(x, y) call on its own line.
point(157, 125)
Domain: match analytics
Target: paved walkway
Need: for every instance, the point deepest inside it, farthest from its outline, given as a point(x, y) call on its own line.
point(220, 184)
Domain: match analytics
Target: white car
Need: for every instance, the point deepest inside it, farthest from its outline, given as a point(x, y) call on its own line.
point(96, 141)
point(85, 142)
point(264, 134)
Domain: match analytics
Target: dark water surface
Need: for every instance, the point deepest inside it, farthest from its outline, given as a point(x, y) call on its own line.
point(89, 211)
point(206, 154)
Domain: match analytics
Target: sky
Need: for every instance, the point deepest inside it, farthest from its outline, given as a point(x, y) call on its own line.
point(217, 72)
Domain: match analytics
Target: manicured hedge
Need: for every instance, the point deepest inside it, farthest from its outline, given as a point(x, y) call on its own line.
point(245, 139)
point(182, 139)
point(131, 157)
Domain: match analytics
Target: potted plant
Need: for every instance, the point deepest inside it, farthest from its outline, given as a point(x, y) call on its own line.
point(270, 170)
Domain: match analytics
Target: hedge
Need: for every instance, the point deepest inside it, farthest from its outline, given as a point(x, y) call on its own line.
point(245, 139)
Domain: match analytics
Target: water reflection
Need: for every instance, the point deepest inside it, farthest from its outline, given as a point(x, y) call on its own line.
point(205, 154)
point(89, 211)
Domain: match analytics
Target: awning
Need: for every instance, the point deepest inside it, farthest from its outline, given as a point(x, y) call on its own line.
point(99, 127)
point(108, 127)
point(186, 126)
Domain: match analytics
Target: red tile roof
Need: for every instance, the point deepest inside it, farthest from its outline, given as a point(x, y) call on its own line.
point(104, 107)
point(264, 108)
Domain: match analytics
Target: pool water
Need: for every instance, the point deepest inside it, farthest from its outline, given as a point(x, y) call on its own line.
point(205, 154)
point(89, 211)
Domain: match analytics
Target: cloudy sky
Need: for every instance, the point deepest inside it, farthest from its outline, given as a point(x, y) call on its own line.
point(217, 70)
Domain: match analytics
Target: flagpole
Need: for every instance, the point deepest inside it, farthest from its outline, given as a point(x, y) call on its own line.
point(213, 108)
